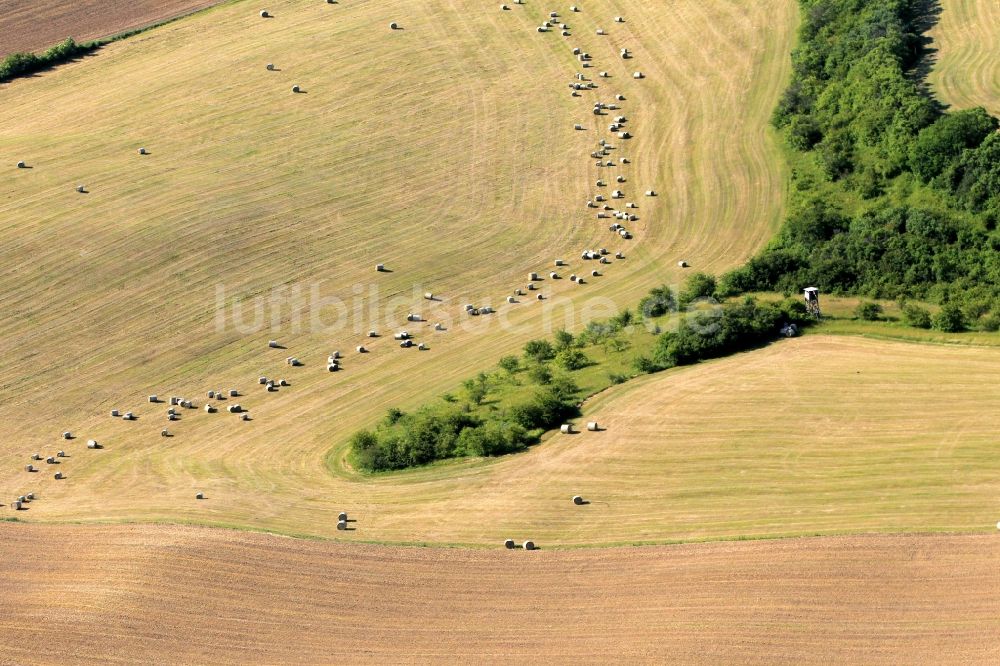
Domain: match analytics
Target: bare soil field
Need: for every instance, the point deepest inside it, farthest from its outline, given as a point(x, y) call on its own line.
point(35, 25)
point(82, 594)
point(967, 37)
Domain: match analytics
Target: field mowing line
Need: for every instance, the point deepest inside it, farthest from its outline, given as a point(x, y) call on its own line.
point(967, 71)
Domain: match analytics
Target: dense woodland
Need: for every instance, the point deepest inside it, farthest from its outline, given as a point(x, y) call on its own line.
point(893, 196)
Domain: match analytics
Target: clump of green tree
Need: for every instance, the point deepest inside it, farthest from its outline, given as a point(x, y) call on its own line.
point(472, 425)
point(724, 330)
point(24, 64)
point(905, 200)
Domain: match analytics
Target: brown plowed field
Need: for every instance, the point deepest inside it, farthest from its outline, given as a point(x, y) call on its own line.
point(34, 25)
point(155, 594)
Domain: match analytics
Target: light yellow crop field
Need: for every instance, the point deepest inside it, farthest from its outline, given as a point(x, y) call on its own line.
point(967, 69)
point(445, 150)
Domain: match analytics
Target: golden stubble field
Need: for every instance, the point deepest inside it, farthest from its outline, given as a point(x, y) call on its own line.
point(445, 150)
point(967, 68)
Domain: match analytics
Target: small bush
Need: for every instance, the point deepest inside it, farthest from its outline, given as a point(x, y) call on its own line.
point(572, 359)
point(510, 364)
point(617, 378)
point(916, 316)
point(540, 374)
point(990, 323)
point(699, 285)
point(563, 340)
point(539, 351)
point(659, 302)
point(949, 319)
point(868, 311)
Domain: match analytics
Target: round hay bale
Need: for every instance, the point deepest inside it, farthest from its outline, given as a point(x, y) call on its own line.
point(341, 525)
point(273, 344)
point(577, 500)
point(393, 26)
point(15, 505)
point(422, 347)
point(619, 255)
point(529, 545)
point(29, 468)
point(209, 409)
point(262, 380)
point(142, 151)
point(333, 367)
point(638, 75)
point(164, 433)
point(92, 444)
point(379, 268)
point(270, 66)
point(22, 165)
point(199, 496)
point(592, 426)
point(342, 517)
point(67, 435)
point(211, 394)
point(361, 349)
point(264, 14)
point(510, 299)
point(60, 454)
point(296, 89)
point(509, 544)
point(540, 297)
point(554, 275)
point(566, 428)
point(578, 126)
point(36, 456)
point(244, 417)
point(282, 382)
point(541, 28)
point(233, 393)
point(58, 476)
point(81, 189)
point(572, 278)
point(504, 8)
point(682, 264)
point(619, 19)
point(650, 193)
point(565, 33)
point(595, 274)
point(429, 296)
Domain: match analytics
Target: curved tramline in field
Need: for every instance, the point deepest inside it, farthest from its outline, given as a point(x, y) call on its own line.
point(443, 151)
point(966, 73)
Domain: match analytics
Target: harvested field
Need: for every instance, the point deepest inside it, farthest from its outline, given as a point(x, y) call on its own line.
point(35, 25)
point(813, 435)
point(197, 595)
point(392, 156)
point(967, 69)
